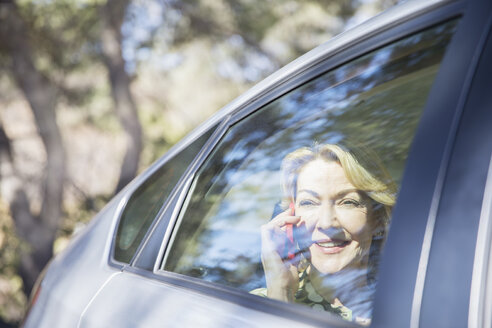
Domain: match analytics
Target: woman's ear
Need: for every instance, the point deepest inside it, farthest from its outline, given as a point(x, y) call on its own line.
point(378, 232)
point(377, 217)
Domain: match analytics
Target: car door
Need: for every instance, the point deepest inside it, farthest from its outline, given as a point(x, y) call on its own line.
point(368, 86)
point(457, 248)
point(478, 131)
point(478, 137)
point(425, 267)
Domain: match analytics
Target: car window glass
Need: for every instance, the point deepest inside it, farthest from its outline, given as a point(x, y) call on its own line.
point(147, 200)
point(336, 149)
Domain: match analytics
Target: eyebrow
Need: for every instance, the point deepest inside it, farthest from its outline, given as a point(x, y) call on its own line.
point(313, 193)
point(348, 191)
point(338, 194)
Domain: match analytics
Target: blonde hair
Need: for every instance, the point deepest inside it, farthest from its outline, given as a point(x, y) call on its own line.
point(361, 167)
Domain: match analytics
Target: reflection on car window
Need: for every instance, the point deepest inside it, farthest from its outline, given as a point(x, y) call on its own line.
point(147, 200)
point(295, 202)
point(340, 200)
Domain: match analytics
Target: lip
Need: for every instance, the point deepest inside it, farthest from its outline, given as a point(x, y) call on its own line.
point(331, 246)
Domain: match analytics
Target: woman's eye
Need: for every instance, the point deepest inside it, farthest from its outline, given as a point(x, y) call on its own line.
point(350, 202)
point(306, 203)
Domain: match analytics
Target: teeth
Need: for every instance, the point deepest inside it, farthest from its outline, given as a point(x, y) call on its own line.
point(331, 243)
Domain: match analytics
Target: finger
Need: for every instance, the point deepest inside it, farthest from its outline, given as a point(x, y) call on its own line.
point(272, 242)
point(268, 233)
point(274, 232)
point(290, 210)
point(282, 220)
point(287, 212)
point(303, 238)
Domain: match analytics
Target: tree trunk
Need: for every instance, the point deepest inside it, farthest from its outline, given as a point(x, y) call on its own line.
point(37, 230)
point(112, 15)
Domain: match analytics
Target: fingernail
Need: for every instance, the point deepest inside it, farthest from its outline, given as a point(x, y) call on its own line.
point(292, 208)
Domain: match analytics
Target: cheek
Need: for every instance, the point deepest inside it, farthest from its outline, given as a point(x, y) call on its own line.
point(354, 221)
point(308, 216)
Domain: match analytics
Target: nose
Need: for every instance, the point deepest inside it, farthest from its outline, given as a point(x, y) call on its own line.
point(327, 217)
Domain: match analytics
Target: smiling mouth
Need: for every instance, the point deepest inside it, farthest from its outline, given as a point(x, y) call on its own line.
point(332, 243)
point(330, 247)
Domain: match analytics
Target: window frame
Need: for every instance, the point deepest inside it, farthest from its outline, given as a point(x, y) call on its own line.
point(299, 74)
point(129, 191)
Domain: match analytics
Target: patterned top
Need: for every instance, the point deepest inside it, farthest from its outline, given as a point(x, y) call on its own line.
point(307, 295)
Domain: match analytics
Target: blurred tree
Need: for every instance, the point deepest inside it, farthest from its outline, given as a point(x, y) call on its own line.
point(205, 51)
point(37, 230)
point(113, 14)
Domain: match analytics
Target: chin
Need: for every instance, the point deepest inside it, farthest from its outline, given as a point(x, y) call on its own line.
point(329, 268)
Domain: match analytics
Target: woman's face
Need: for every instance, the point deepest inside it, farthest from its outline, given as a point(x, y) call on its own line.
point(336, 215)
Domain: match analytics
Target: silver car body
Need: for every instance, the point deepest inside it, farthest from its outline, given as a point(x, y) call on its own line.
point(83, 287)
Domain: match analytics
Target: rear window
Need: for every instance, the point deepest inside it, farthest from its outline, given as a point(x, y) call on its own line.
point(147, 200)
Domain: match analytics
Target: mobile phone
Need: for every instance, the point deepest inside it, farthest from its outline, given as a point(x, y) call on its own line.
point(289, 230)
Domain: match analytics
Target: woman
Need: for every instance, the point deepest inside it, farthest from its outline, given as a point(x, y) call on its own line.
point(341, 201)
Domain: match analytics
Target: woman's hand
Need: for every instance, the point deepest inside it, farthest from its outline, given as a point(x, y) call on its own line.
point(282, 277)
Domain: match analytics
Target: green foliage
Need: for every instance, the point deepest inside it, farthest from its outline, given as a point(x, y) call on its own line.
point(254, 18)
point(12, 300)
point(64, 33)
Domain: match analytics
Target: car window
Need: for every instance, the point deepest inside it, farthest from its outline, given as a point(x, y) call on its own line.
point(146, 201)
point(295, 201)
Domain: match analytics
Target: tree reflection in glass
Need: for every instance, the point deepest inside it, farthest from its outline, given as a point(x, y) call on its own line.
point(374, 101)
